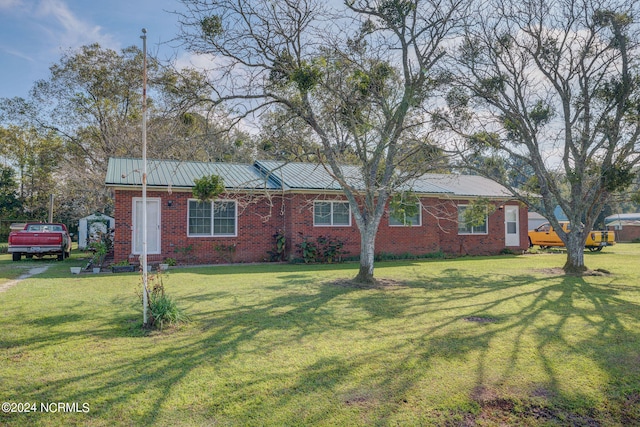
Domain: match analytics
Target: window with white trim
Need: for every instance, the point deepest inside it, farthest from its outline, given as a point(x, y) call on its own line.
point(331, 214)
point(217, 218)
point(406, 220)
point(465, 226)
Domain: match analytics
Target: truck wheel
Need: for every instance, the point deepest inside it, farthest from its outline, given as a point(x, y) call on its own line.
point(530, 244)
point(17, 256)
point(595, 248)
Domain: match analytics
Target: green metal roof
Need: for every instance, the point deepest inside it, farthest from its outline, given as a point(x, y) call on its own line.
point(308, 176)
point(268, 174)
point(180, 174)
point(459, 185)
point(314, 176)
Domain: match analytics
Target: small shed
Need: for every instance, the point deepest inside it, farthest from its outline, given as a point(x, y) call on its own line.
point(92, 225)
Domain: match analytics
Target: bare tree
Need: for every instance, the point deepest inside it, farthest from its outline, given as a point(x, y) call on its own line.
point(552, 87)
point(287, 138)
point(91, 102)
point(360, 77)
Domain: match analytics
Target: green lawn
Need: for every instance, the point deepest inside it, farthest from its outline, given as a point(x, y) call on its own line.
point(473, 341)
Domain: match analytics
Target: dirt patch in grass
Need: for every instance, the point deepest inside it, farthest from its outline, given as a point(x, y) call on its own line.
point(478, 319)
point(543, 392)
point(360, 398)
point(558, 271)
point(488, 398)
point(499, 410)
point(551, 271)
point(357, 401)
point(377, 284)
point(631, 409)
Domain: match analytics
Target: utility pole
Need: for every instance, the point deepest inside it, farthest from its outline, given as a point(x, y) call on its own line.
point(50, 208)
point(143, 261)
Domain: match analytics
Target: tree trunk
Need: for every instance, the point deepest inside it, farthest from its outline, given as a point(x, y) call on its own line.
point(367, 248)
point(575, 254)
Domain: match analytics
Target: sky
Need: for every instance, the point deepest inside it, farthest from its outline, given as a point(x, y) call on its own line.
point(35, 33)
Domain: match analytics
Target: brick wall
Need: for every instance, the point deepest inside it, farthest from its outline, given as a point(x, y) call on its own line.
point(299, 211)
point(438, 230)
point(415, 239)
point(259, 220)
point(629, 233)
point(420, 239)
point(480, 244)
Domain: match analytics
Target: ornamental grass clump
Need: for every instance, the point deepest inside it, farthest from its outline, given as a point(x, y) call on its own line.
point(163, 310)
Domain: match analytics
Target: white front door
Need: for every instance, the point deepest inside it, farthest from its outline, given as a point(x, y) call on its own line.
point(153, 226)
point(511, 226)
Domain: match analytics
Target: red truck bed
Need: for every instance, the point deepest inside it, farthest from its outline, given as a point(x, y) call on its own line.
point(40, 239)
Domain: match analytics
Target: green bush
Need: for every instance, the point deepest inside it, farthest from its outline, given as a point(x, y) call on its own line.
point(280, 247)
point(163, 310)
point(184, 254)
point(208, 188)
point(226, 252)
point(330, 249)
point(324, 249)
point(308, 249)
point(385, 256)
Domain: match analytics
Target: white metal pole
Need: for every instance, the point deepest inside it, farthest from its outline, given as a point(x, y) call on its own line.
point(145, 302)
point(50, 208)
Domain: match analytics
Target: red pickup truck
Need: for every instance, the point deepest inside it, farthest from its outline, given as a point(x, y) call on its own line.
point(40, 239)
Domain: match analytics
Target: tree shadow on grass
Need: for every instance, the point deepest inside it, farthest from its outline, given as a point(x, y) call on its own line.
point(583, 328)
point(220, 336)
point(386, 341)
point(55, 320)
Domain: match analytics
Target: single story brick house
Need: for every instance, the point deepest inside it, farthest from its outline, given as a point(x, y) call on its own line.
point(626, 226)
point(299, 200)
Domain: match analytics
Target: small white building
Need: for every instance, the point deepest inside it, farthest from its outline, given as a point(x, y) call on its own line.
point(92, 225)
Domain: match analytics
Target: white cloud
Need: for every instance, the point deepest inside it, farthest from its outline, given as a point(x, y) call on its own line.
point(67, 30)
point(17, 53)
point(194, 60)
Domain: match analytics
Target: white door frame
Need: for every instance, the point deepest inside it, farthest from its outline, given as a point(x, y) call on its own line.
point(511, 219)
point(153, 226)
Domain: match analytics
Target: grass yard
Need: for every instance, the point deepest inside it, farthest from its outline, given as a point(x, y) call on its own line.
point(473, 341)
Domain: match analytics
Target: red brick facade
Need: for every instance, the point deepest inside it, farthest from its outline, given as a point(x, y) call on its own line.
point(627, 233)
point(259, 218)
